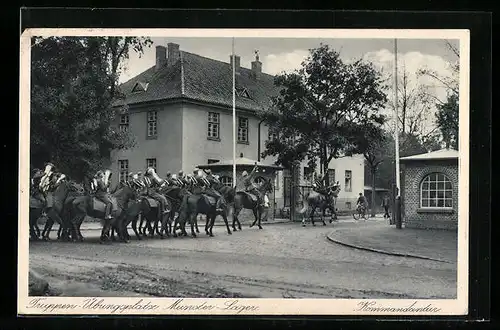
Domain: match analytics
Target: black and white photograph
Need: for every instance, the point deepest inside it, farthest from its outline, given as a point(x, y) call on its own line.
point(199, 171)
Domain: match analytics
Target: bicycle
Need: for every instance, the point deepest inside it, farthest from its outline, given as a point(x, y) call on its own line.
point(360, 213)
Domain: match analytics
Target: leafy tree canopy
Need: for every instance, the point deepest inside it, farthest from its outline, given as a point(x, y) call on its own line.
point(74, 84)
point(322, 106)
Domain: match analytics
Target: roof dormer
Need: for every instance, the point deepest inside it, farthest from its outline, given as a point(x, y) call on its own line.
point(140, 87)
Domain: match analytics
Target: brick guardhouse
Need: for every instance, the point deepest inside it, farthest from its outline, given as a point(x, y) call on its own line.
point(429, 190)
point(224, 169)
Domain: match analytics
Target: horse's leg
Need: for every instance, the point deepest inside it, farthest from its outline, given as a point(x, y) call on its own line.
point(255, 214)
point(259, 210)
point(235, 217)
point(207, 225)
point(134, 228)
point(46, 230)
point(313, 210)
point(224, 216)
point(193, 221)
point(323, 216)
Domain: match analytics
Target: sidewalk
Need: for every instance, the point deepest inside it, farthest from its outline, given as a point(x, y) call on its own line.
point(378, 236)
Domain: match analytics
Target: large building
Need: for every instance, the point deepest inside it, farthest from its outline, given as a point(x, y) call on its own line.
point(180, 113)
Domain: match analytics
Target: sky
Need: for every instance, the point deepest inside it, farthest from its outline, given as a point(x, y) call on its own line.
point(286, 54)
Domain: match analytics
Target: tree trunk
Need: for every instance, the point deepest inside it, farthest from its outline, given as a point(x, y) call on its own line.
point(374, 171)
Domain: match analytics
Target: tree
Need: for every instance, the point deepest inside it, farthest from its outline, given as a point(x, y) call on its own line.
point(373, 144)
point(447, 118)
point(74, 84)
point(319, 107)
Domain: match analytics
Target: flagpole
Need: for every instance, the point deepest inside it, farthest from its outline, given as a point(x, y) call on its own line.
point(234, 115)
point(396, 132)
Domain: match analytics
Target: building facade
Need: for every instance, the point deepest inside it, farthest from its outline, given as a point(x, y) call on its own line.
point(179, 112)
point(429, 190)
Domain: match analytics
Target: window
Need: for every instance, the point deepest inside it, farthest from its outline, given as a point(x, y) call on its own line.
point(308, 173)
point(348, 181)
point(123, 170)
point(151, 162)
point(436, 191)
point(242, 130)
point(242, 92)
point(124, 122)
point(331, 176)
point(227, 181)
point(152, 124)
point(211, 161)
point(213, 126)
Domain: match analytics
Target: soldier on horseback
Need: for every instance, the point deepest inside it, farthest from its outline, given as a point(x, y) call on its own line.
point(210, 190)
point(153, 183)
point(101, 185)
point(318, 185)
point(248, 183)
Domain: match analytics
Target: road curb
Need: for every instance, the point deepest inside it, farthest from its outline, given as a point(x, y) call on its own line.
point(359, 247)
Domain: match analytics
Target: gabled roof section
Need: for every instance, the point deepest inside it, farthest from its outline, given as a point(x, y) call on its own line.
point(202, 79)
point(434, 155)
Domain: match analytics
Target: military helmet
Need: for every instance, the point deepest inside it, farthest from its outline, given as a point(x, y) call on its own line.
point(245, 173)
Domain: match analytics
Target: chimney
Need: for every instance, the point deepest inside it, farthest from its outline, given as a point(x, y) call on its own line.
point(174, 53)
point(161, 56)
point(256, 65)
point(236, 62)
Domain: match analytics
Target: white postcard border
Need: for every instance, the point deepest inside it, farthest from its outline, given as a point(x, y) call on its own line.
point(179, 306)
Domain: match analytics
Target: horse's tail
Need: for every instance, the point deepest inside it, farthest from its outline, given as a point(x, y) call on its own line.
point(306, 205)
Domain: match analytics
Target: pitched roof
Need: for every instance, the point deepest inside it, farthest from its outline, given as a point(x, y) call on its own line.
point(434, 155)
point(201, 79)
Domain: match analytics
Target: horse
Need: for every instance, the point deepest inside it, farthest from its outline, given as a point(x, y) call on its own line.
point(56, 205)
point(36, 205)
point(88, 205)
point(199, 203)
point(315, 200)
point(149, 212)
point(175, 195)
point(246, 200)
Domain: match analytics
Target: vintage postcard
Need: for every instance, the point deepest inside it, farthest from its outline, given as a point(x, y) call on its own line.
point(243, 172)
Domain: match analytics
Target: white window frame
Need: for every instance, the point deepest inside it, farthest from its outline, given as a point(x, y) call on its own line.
point(436, 190)
point(123, 170)
point(124, 123)
point(151, 162)
point(152, 123)
point(348, 184)
point(213, 127)
point(226, 180)
point(243, 125)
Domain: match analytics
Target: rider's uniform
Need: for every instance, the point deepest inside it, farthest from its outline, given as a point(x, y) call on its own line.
point(250, 186)
point(101, 193)
point(152, 191)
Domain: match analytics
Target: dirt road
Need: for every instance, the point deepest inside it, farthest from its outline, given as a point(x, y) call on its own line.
point(280, 261)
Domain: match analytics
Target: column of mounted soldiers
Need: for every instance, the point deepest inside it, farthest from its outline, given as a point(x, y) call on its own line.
point(44, 184)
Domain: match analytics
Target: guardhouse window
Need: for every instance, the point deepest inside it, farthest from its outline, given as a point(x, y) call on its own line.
point(436, 191)
point(227, 181)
